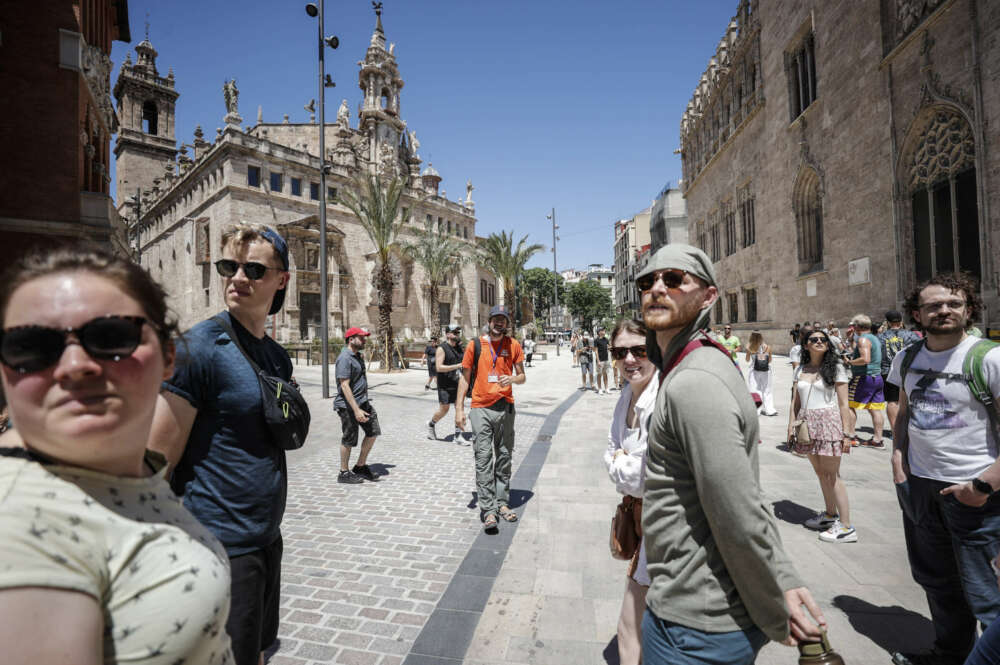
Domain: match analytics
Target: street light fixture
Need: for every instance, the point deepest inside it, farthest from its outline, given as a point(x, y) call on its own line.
point(324, 82)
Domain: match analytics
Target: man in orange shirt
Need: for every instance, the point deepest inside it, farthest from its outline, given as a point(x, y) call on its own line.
point(501, 364)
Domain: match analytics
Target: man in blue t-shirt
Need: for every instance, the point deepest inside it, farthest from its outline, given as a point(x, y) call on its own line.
point(209, 423)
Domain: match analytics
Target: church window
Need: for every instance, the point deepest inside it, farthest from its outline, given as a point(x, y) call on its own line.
point(943, 198)
point(482, 290)
point(149, 118)
point(808, 207)
point(465, 232)
point(296, 186)
point(715, 237)
point(746, 205)
point(734, 306)
point(729, 217)
point(800, 66)
point(276, 182)
point(750, 304)
point(253, 176)
point(314, 191)
point(331, 194)
point(717, 313)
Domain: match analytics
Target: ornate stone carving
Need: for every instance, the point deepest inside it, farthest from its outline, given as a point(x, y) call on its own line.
point(946, 148)
point(343, 114)
point(97, 73)
point(911, 13)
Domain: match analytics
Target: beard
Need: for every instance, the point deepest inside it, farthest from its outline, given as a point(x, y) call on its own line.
point(663, 315)
point(945, 325)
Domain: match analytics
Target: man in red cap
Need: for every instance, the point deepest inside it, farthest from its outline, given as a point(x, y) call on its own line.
point(500, 365)
point(354, 408)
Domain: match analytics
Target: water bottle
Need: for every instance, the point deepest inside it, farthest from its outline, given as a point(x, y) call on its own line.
point(819, 653)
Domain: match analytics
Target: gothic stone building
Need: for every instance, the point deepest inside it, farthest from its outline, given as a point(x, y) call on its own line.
point(180, 202)
point(837, 152)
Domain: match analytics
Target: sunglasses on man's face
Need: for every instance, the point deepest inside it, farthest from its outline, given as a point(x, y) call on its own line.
point(252, 269)
point(672, 279)
point(621, 352)
point(34, 348)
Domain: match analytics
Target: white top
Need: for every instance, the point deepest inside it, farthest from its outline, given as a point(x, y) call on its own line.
point(795, 354)
point(949, 428)
point(822, 396)
point(529, 346)
point(628, 472)
point(160, 577)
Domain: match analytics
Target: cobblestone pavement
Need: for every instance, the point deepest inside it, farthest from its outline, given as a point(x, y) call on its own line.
point(365, 565)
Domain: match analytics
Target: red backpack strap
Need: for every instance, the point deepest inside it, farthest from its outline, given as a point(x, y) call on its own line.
point(696, 343)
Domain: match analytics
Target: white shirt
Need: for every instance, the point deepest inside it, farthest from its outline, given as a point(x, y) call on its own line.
point(949, 429)
point(795, 354)
point(822, 395)
point(628, 472)
point(529, 346)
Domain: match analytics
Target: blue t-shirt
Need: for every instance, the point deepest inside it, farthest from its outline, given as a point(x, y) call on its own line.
point(232, 476)
point(351, 366)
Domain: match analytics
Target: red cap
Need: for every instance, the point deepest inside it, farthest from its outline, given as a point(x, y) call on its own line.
point(351, 332)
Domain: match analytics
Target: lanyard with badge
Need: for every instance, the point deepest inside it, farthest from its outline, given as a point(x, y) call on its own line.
point(493, 377)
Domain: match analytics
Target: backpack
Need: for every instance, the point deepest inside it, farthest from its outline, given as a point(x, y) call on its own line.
point(972, 374)
point(477, 349)
point(760, 362)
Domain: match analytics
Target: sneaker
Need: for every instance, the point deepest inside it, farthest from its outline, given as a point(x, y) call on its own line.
point(458, 436)
point(838, 533)
point(821, 522)
point(932, 657)
point(349, 477)
point(364, 471)
point(431, 434)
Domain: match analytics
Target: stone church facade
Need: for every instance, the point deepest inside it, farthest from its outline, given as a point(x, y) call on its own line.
point(835, 153)
point(180, 202)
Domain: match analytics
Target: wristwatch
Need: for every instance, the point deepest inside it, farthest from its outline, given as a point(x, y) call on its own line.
point(982, 487)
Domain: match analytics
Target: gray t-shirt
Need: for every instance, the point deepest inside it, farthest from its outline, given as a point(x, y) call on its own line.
point(351, 366)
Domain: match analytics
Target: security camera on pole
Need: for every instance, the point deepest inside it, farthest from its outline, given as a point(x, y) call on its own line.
point(324, 82)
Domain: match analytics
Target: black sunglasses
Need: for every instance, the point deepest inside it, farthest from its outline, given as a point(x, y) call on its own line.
point(252, 269)
point(34, 348)
point(671, 279)
point(817, 338)
point(619, 353)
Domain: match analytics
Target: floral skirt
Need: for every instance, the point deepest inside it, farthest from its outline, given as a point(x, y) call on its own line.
point(826, 432)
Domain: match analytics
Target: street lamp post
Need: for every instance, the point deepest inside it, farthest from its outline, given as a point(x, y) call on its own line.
point(332, 42)
point(555, 277)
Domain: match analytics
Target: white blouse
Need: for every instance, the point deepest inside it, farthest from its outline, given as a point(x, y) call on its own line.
point(823, 396)
point(628, 471)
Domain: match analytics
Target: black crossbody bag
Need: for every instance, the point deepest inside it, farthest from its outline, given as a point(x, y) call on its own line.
point(285, 411)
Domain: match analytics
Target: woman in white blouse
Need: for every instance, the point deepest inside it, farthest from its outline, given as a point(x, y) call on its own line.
point(625, 458)
point(820, 397)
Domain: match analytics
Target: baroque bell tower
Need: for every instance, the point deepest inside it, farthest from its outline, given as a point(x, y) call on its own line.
point(380, 82)
point(146, 140)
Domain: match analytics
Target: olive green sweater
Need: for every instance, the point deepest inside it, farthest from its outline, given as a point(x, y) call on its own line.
point(715, 556)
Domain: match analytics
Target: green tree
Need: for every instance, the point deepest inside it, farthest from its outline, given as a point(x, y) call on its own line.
point(376, 205)
point(588, 301)
point(538, 284)
point(440, 254)
point(499, 255)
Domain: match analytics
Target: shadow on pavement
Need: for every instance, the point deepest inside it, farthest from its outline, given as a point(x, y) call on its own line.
point(517, 498)
point(892, 628)
point(791, 512)
point(610, 652)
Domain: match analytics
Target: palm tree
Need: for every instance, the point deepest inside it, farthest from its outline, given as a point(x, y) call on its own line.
point(440, 254)
point(499, 255)
point(376, 205)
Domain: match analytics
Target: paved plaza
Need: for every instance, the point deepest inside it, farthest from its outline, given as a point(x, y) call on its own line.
point(399, 571)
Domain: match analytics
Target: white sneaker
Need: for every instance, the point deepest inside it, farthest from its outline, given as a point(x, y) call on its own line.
point(821, 522)
point(838, 533)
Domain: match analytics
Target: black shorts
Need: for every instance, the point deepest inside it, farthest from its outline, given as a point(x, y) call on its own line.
point(890, 390)
point(432, 371)
point(349, 424)
point(447, 395)
point(253, 613)
point(527, 357)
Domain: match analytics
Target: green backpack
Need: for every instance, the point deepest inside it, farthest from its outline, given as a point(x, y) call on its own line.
point(972, 374)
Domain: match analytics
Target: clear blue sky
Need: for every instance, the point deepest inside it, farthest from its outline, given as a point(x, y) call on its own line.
point(542, 104)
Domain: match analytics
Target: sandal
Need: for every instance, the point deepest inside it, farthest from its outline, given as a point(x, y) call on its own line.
point(508, 514)
point(490, 522)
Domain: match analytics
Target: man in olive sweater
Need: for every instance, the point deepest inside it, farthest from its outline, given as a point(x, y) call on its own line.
point(722, 585)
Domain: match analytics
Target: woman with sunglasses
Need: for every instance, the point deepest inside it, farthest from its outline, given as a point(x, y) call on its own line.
point(102, 564)
point(820, 396)
point(625, 458)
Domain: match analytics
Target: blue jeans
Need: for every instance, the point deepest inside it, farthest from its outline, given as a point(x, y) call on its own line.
point(668, 643)
point(950, 546)
point(987, 651)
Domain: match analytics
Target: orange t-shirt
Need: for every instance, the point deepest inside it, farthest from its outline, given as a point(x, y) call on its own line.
point(495, 358)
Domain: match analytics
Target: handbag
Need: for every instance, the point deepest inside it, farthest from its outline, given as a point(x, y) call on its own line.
point(800, 433)
point(285, 411)
point(626, 528)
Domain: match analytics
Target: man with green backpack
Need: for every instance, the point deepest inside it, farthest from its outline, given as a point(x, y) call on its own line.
point(944, 464)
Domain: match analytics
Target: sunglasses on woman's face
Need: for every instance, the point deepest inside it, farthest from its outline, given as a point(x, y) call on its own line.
point(672, 279)
point(34, 348)
point(817, 340)
point(252, 269)
point(620, 353)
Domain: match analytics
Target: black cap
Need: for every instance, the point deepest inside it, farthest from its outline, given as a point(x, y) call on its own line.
point(281, 248)
point(892, 316)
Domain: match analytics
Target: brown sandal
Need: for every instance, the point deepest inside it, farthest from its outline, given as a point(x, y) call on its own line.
point(508, 514)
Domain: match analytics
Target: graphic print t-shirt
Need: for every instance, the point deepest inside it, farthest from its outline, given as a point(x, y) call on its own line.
point(949, 429)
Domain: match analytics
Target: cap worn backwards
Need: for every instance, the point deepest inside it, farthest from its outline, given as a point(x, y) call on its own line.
point(281, 249)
